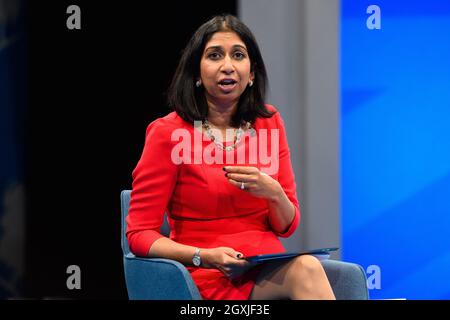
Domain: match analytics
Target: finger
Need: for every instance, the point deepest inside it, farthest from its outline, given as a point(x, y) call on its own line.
point(241, 177)
point(239, 264)
point(229, 251)
point(240, 169)
point(236, 255)
point(238, 184)
point(226, 273)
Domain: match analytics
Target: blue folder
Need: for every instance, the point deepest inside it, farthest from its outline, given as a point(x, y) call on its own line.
point(321, 254)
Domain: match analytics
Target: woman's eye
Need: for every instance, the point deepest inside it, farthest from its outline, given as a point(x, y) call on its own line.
point(239, 55)
point(214, 55)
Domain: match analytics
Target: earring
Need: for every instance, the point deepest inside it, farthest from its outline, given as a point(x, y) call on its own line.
point(250, 83)
point(198, 83)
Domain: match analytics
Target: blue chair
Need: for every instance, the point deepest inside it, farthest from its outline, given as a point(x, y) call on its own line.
point(164, 279)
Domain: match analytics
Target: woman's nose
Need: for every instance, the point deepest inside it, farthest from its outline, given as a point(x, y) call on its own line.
point(227, 65)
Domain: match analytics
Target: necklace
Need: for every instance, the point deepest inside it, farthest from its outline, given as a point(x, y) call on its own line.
point(236, 140)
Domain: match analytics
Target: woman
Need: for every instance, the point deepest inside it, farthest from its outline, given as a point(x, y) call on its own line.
point(208, 164)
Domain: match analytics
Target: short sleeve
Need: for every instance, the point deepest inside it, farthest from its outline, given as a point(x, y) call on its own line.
point(286, 177)
point(154, 179)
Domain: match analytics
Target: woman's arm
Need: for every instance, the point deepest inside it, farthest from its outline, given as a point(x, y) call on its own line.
point(281, 194)
point(169, 249)
point(154, 180)
point(225, 259)
point(281, 211)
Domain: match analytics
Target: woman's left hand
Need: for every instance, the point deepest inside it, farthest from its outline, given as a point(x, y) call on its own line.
point(250, 179)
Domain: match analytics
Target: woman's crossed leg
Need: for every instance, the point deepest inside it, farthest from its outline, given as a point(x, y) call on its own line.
point(300, 278)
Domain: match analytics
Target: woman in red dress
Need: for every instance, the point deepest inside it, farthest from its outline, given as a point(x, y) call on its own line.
point(220, 166)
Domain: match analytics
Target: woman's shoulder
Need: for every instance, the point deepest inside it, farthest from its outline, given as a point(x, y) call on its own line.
point(271, 107)
point(167, 123)
point(171, 119)
point(273, 121)
point(162, 129)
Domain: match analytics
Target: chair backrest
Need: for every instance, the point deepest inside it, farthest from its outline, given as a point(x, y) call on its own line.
point(125, 205)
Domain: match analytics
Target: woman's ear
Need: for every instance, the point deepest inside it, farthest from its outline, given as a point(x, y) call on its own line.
point(251, 79)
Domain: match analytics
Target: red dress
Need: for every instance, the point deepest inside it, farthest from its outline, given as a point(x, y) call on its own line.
point(204, 209)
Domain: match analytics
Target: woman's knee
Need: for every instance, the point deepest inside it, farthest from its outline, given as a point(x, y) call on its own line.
point(308, 266)
point(308, 279)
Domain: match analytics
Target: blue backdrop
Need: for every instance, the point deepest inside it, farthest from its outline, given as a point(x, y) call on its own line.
point(395, 147)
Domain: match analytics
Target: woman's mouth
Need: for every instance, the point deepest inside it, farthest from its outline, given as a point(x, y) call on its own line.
point(227, 85)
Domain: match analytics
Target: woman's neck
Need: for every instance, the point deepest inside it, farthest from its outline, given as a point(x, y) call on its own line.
point(220, 117)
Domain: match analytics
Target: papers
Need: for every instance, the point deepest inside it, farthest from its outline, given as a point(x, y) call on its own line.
point(321, 254)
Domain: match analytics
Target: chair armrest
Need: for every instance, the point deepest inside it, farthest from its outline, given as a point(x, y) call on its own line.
point(158, 279)
point(348, 280)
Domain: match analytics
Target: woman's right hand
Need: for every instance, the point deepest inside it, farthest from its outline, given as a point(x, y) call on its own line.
point(227, 260)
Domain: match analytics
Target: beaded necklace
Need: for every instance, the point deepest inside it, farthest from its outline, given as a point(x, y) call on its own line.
point(236, 140)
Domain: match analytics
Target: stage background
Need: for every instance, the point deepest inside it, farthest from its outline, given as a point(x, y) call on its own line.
point(395, 145)
point(13, 105)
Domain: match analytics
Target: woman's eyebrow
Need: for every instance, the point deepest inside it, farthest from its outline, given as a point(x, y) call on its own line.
point(239, 46)
point(214, 48)
point(221, 48)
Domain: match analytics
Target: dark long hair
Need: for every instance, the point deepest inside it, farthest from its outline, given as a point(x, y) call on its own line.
point(190, 102)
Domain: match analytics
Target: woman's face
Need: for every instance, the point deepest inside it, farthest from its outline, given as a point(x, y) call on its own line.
point(225, 69)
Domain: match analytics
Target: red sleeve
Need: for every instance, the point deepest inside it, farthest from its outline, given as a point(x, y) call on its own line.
point(154, 179)
point(286, 176)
